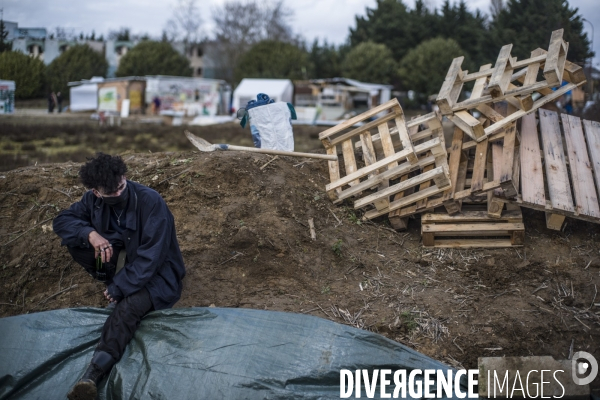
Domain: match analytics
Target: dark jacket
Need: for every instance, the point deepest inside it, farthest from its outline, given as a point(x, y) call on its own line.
point(154, 260)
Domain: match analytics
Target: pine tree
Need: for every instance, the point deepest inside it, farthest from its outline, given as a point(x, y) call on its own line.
point(528, 24)
point(5, 45)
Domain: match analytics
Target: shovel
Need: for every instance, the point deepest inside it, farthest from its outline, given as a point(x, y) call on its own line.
point(205, 146)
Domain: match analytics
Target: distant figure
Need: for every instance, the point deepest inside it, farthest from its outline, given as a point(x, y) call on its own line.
point(59, 100)
point(156, 105)
point(51, 102)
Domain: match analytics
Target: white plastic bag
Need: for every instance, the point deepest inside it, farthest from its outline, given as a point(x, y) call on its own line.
point(273, 124)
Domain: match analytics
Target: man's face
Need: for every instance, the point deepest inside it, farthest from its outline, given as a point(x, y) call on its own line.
point(120, 189)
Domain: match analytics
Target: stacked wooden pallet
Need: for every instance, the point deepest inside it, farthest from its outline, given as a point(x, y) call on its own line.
point(390, 155)
point(470, 193)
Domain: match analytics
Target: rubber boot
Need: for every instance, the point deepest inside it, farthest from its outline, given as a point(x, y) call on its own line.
point(86, 388)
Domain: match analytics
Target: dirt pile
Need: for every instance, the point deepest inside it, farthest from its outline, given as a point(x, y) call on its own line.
point(242, 223)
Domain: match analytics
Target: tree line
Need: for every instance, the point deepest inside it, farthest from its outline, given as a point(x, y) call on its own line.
point(392, 43)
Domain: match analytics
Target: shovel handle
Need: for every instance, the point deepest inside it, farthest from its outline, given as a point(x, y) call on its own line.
point(277, 152)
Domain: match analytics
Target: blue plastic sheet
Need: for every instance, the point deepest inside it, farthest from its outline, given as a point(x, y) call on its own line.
point(195, 353)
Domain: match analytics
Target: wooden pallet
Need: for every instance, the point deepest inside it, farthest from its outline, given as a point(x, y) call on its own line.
point(388, 155)
point(473, 228)
point(560, 168)
point(344, 135)
point(484, 172)
point(510, 80)
point(421, 130)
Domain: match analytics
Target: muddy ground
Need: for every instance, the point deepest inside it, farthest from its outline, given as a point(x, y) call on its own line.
point(242, 224)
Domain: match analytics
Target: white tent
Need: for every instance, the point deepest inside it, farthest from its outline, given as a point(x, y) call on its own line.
point(84, 97)
point(276, 89)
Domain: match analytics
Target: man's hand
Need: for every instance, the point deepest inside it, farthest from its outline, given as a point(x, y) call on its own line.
point(101, 246)
point(113, 293)
point(110, 299)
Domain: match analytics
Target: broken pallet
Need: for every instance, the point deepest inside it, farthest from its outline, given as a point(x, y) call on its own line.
point(472, 227)
point(510, 80)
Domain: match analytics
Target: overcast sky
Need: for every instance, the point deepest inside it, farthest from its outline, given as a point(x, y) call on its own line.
point(330, 19)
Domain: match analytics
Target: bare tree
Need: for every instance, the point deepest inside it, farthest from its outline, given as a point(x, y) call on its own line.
point(185, 23)
point(241, 24)
point(495, 7)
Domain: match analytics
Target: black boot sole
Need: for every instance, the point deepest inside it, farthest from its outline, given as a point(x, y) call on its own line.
point(83, 391)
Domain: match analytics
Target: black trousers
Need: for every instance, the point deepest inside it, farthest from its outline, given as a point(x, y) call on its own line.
point(122, 323)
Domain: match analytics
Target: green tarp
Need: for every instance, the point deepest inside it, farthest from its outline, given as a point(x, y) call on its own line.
point(195, 353)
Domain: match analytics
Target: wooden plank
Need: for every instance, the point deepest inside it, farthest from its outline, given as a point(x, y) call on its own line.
point(473, 243)
point(334, 171)
point(502, 72)
point(387, 144)
point(557, 176)
point(495, 205)
point(397, 221)
point(349, 160)
point(480, 83)
point(365, 127)
point(368, 150)
point(417, 180)
point(573, 73)
point(405, 140)
point(447, 96)
point(517, 238)
point(506, 175)
point(535, 59)
point(592, 134)
point(422, 203)
point(359, 118)
point(472, 228)
point(497, 161)
point(533, 68)
point(490, 113)
point(531, 163)
point(469, 124)
point(552, 71)
point(479, 166)
point(586, 201)
point(554, 221)
point(537, 104)
point(454, 159)
point(428, 239)
point(470, 216)
point(422, 119)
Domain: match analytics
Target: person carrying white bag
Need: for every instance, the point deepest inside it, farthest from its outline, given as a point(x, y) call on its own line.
point(270, 123)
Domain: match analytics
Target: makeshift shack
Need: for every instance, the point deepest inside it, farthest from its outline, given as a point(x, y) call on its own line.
point(193, 96)
point(322, 100)
point(83, 95)
point(7, 97)
point(112, 92)
point(276, 89)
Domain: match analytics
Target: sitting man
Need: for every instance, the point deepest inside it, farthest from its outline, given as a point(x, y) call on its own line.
point(123, 234)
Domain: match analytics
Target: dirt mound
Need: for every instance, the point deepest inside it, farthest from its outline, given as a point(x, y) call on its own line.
point(242, 223)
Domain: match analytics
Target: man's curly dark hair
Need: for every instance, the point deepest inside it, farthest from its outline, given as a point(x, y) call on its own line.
point(103, 172)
